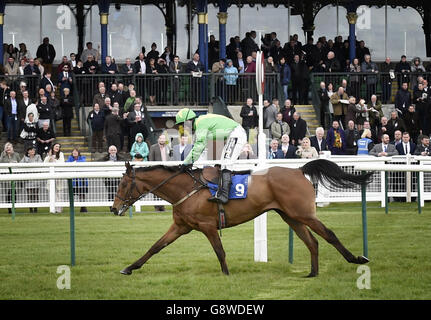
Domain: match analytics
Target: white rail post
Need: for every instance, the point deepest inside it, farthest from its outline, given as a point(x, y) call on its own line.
point(382, 188)
point(51, 191)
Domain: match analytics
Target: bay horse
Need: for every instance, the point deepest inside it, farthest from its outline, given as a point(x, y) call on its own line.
point(287, 191)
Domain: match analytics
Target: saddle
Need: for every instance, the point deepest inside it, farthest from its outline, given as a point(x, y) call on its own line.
point(212, 174)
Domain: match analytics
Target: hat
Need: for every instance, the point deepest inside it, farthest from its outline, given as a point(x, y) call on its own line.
point(184, 115)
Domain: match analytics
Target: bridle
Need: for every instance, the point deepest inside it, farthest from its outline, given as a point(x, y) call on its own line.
point(129, 199)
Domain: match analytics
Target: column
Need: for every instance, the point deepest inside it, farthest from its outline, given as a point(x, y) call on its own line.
point(427, 28)
point(222, 19)
point(104, 13)
point(2, 9)
point(351, 18)
point(202, 7)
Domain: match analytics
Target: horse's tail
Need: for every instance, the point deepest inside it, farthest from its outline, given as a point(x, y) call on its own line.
point(332, 176)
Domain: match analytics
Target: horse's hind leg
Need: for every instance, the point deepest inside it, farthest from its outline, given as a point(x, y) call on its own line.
point(213, 237)
point(317, 226)
point(310, 241)
point(174, 232)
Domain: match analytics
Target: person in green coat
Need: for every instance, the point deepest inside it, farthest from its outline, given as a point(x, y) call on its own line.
point(139, 147)
point(210, 127)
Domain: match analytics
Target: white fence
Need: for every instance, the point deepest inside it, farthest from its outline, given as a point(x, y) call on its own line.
point(102, 189)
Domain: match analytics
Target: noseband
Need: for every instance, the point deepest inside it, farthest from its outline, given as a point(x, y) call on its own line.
point(129, 200)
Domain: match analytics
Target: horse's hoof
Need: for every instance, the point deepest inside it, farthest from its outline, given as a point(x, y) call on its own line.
point(363, 260)
point(126, 271)
point(311, 275)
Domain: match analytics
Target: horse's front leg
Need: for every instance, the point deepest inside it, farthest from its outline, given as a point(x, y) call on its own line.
point(174, 232)
point(211, 232)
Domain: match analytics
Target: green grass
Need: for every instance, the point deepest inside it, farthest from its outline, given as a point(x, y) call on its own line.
point(33, 246)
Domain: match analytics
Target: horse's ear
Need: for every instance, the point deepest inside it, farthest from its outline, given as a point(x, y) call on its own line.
point(128, 167)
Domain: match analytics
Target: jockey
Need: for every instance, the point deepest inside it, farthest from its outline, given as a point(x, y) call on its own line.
point(211, 127)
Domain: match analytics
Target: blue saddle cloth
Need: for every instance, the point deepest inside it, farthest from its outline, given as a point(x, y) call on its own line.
point(238, 188)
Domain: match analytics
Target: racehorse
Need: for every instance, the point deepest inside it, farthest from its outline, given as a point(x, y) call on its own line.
point(287, 191)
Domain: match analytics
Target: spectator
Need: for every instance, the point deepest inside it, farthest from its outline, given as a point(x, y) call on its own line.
point(90, 65)
point(249, 116)
point(298, 129)
point(90, 51)
point(162, 82)
point(15, 114)
point(402, 99)
point(362, 115)
point(351, 111)
point(331, 64)
point(269, 114)
point(339, 104)
point(362, 51)
point(412, 122)
point(46, 81)
point(384, 149)
point(111, 183)
point(44, 137)
point(248, 44)
point(112, 128)
point(65, 79)
point(181, 150)
point(97, 121)
point(130, 102)
point(289, 150)
point(127, 68)
point(279, 127)
point(115, 95)
point(324, 102)
point(107, 106)
point(352, 135)
point(46, 53)
point(231, 77)
point(406, 146)
point(109, 67)
point(80, 185)
point(346, 87)
point(139, 147)
point(385, 128)
point(238, 62)
point(79, 69)
point(421, 100)
point(55, 155)
point(32, 186)
point(11, 67)
point(387, 68)
point(153, 53)
point(31, 68)
point(23, 53)
point(375, 111)
point(168, 56)
point(136, 123)
point(355, 83)
point(424, 148)
point(306, 151)
point(365, 144)
point(140, 66)
point(38, 64)
point(285, 76)
point(318, 142)
point(195, 68)
point(299, 80)
point(66, 105)
point(403, 69)
point(73, 62)
point(397, 138)
point(160, 152)
point(29, 132)
point(288, 110)
point(9, 52)
point(175, 66)
point(22, 65)
point(8, 156)
point(100, 97)
point(64, 62)
point(335, 139)
point(416, 69)
point(370, 67)
point(247, 152)
point(275, 152)
point(396, 123)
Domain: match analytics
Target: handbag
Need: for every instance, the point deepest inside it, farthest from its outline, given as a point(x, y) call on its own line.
point(23, 134)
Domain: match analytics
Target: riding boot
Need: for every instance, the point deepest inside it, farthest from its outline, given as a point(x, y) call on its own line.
point(222, 194)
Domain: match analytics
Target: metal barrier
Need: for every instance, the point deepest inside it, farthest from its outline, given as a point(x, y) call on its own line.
point(32, 82)
point(181, 88)
point(101, 191)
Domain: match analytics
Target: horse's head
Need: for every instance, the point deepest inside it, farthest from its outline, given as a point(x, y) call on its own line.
point(127, 192)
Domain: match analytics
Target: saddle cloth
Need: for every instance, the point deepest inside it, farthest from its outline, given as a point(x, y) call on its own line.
point(238, 188)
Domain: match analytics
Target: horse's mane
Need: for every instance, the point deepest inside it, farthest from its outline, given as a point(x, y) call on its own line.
point(166, 168)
